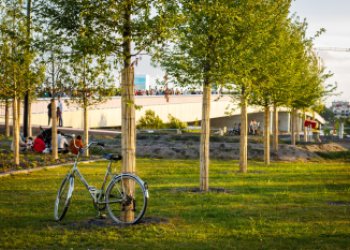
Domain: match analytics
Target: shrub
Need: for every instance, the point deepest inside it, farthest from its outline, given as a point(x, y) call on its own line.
point(150, 121)
point(175, 123)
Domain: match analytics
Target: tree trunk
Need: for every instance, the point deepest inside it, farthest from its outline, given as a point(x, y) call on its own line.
point(30, 132)
point(54, 130)
point(306, 135)
point(297, 129)
point(7, 118)
point(293, 127)
point(267, 135)
point(19, 114)
point(15, 131)
point(86, 129)
point(243, 149)
point(128, 121)
point(128, 133)
point(205, 137)
point(128, 109)
point(275, 129)
point(26, 110)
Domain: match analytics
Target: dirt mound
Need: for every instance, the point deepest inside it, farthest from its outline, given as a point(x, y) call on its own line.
point(226, 149)
point(327, 147)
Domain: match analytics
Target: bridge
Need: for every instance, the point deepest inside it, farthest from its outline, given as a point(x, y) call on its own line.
point(187, 108)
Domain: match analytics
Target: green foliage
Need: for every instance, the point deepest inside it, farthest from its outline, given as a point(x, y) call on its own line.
point(340, 156)
point(20, 71)
point(175, 123)
point(200, 42)
point(328, 115)
point(150, 121)
point(283, 206)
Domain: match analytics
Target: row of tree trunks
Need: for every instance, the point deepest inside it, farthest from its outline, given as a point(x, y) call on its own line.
point(205, 138)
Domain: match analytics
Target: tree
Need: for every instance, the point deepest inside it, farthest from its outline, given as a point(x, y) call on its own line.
point(114, 26)
point(308, 75)
point(13, 71)
point(251, 37)
point(5, 93)
point(267, 85)
point(194, 56)
point(89, 83)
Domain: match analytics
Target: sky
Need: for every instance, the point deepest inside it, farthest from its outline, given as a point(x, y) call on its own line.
point(334, 16)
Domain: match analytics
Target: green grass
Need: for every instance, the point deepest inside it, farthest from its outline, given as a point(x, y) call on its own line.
point(283, 206)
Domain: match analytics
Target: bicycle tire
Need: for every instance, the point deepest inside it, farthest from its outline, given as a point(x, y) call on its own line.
point(126, 199)
point(63, 197)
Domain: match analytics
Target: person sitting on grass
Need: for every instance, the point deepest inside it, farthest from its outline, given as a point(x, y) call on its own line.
point(22, 144)
point(76, 144)
point(39, 144)
point(62, 143)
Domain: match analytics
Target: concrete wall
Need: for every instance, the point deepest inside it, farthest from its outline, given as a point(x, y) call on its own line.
point(108, 114)
point(184, 107)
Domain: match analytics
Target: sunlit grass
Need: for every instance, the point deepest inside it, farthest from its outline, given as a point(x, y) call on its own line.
point(283, 206)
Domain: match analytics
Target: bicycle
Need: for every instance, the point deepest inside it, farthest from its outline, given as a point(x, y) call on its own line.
point(125, 197)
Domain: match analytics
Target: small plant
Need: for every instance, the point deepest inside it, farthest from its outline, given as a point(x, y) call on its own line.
point(175, 123)
point(150, 121)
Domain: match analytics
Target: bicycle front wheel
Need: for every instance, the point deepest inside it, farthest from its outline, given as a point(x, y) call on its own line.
point(126, 199)
point(63, 198)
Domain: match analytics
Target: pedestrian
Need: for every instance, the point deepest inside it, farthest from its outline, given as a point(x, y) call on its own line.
point(58, 115)
point(250, 130)
point(49, 113)
point(254, 126)
point(60, 118)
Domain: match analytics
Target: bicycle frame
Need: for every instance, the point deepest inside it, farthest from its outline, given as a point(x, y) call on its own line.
point(96, 194)
point(125, 197)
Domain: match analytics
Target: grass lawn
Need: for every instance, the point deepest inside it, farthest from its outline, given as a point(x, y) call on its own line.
point(283, 206)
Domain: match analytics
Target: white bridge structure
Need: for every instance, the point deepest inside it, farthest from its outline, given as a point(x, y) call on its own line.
point(187, 108)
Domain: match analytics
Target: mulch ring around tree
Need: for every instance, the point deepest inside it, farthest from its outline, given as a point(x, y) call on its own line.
point(197, 190)
point(338, 203)
point(107, 222)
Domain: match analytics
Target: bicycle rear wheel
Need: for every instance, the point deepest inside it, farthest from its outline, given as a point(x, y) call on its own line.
point(63, 198)
point(126, 199)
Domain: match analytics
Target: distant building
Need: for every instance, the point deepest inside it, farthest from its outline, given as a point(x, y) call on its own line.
point(142, 82)
point(341, 108)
